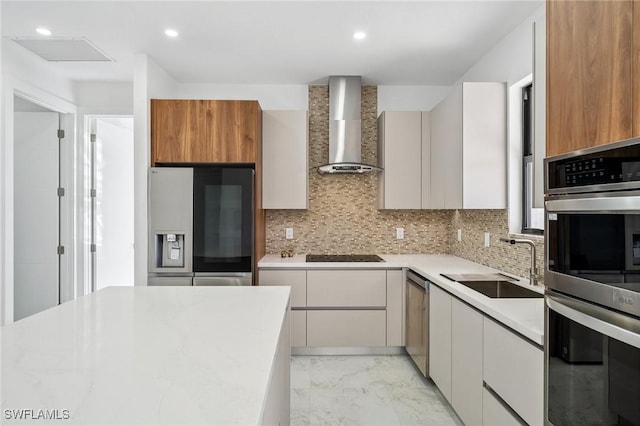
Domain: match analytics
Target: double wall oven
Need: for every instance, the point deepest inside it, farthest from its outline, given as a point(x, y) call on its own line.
point(592, 303)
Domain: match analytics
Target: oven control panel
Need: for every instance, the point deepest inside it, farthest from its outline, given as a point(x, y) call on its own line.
point(603, 166)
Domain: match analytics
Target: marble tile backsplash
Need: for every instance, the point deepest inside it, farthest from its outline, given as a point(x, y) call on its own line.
point(515, 259)
point(343, 217)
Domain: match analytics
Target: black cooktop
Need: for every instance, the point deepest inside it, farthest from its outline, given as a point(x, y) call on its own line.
point(344, 258)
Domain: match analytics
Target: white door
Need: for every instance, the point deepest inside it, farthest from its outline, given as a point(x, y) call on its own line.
point(36, 212)
point(112, 212)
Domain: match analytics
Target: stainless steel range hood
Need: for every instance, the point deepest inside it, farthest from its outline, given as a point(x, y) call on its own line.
point(345, 131)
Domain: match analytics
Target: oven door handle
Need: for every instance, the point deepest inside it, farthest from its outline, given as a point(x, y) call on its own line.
point(603, 203)
point(610, 323)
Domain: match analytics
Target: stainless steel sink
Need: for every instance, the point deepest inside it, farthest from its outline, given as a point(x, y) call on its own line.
point(500, 289)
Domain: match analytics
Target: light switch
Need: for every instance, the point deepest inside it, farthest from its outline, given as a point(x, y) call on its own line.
point(487, 239)
point(400, 233)
point(288, 233)
point(459, 234)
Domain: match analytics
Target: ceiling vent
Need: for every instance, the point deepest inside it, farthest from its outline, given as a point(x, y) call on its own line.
point(63, 49)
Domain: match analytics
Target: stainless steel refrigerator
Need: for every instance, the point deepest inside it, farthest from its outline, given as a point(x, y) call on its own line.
point(201, 225)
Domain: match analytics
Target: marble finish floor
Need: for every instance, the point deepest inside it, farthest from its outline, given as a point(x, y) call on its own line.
point(364, 390)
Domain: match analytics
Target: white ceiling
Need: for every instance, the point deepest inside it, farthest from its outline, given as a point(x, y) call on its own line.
point(285, 42)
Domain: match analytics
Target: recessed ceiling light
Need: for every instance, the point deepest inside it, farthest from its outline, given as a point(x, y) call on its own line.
point(359, 35)
point(43, 31)
point(171, 33)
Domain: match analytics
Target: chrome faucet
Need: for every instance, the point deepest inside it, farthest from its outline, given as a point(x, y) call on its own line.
point(533, 272)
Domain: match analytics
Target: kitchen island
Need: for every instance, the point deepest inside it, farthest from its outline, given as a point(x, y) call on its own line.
point(151, 355)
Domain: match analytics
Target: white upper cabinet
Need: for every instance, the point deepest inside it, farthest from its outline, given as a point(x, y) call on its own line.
point(285, 164)
point(403, 146)
point(468, 148)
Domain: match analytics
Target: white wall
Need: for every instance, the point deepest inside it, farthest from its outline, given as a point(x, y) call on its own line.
point(149, 81)
point(23, 65)
point(511, 59)
point(270, 97)
point(104, 97)
point(27, 75)
point(410, 98)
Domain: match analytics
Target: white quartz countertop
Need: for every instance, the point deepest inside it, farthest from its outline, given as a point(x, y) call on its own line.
point(525, 316)
point(146, 355)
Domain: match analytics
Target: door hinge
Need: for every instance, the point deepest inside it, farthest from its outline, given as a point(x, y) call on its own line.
point(60, 192)
point(60, 250)
point(60, 134)
point(92, 248)
point(93, 137)
point(93, 193)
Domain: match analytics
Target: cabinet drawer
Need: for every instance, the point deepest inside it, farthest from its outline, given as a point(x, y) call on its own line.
point(298, 328)
point(297, 280)
point(346, 328)
point(337, 289)
point(493, 413)
point(514, 369)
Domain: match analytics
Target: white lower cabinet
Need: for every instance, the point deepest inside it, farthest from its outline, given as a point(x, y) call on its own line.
point(514, 369)
point(298, 328)
point(440, 339)
point(296, 279)
point(466, 362)
point(494, 413)
point(346, 328)
point(351, 288)
point(467, 349)
point(343, 307)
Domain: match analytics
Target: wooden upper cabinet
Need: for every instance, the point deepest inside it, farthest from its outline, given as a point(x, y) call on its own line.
point(590, 73)
point(205, 131)
point(636, 68)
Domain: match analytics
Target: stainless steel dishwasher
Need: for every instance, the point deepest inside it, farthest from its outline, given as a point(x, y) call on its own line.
point(417, 320)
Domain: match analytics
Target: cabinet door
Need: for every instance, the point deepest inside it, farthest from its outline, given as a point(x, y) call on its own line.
point(484, 146)
point(636, 68)
point(446, 152)
point(466, 362)
point(519, 384)
point(589, 74)
point(395, 308)
point(426, 160)
point(296, 279)
point(285, 165)
point(440, 339)
point(205, 131)
point(346, 328)
point(169, 131)
point(400, 156)
point(346, 288)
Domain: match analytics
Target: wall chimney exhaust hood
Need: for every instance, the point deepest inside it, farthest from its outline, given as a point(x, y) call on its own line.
point(345, 131)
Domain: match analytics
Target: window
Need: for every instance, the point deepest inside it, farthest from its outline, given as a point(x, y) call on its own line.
point(532, 218)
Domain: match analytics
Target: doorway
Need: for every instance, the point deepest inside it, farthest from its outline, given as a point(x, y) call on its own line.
point(37, 208)
point(109, 206)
